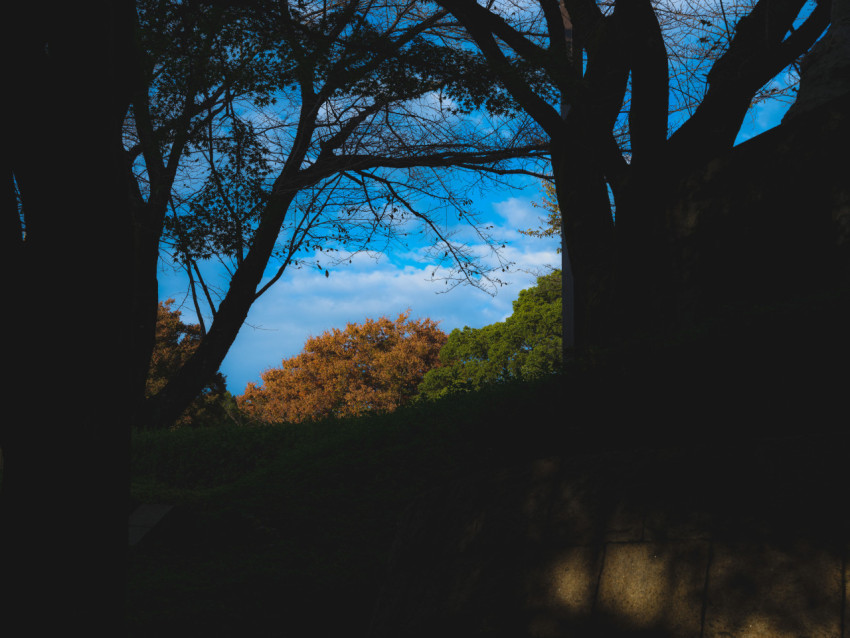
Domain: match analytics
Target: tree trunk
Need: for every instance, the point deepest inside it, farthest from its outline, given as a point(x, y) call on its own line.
point(588, 230)
point(766, 223)
point(166, 407)
point(643, 295)
point(63, 505)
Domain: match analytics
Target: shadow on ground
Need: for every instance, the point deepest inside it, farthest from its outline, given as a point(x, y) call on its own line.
point(655, 542)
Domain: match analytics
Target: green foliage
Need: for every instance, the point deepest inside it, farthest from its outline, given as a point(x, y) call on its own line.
point(526, 346)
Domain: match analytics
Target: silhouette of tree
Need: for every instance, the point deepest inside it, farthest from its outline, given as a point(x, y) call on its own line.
point(283, 136)
point(120, 110)
point(175, 343)
point(67, 251)
point(637, 95)
point(126, 114)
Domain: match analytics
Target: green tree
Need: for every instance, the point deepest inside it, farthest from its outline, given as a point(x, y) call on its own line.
point(526, 346)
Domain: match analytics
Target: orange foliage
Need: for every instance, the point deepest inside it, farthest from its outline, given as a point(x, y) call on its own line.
point(175, 343)
point(374, 366)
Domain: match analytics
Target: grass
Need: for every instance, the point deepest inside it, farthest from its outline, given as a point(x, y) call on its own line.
point(285, 530)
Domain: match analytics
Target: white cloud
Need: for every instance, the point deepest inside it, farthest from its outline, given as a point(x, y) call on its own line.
point(305, 303)
point(518, 212)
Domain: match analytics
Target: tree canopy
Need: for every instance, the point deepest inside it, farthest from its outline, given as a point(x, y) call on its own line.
point(259, 136)
point(525, 346)
point(375, 366)
point(272, 136)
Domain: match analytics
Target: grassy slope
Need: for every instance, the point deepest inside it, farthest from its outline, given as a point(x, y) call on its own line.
point(284, 531)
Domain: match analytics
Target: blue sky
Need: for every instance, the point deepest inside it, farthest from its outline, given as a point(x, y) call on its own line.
point(305, 303)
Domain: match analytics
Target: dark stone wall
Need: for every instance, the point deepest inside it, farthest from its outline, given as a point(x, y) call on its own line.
point(668, 543)
point(769, 222)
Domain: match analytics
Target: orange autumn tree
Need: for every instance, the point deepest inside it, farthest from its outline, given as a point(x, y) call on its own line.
point(375, 366)
point(175, 343)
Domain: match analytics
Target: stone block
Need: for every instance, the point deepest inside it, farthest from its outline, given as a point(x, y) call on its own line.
point(560, 590)
point(671, 525)
point(655, 587)
point(757, 590)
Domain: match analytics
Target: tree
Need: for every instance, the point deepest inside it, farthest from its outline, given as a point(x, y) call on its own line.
point(638, 96)
point(89, 187)
point(525, 346)
point(67, 250)
point(375, 366)
point(175, 343)
point(120, 107)
point(293, 135)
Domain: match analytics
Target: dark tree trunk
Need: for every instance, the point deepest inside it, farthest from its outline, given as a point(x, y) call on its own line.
point(589, 232)
point(626, 282)
point(65, 440)
point(166, 407)
point(145, 303)
point(764, 223)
